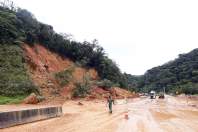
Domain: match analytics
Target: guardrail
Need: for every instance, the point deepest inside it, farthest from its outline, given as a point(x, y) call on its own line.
point(12, 118)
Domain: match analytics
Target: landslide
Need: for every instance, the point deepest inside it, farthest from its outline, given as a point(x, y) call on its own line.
point(34, 58)
point(44, 65)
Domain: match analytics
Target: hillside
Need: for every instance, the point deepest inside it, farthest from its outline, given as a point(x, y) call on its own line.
point(19, 25)
point(14, 79)
point(54, 75)
point(179, 75)
point(34, 58)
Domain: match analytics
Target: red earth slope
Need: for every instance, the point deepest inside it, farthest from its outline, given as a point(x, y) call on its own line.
point(43, 64)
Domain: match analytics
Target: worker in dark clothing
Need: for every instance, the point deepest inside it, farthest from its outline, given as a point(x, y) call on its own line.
point(110, 101)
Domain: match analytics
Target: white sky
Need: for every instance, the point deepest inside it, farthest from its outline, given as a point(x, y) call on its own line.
point(137, 34)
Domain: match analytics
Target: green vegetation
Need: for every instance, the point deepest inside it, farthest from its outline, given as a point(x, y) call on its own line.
point(134, 82)
point(82, 88)
point(11, 100)
point(64, 76)
point(180, 75)
point(14, 79)
point(106, 84)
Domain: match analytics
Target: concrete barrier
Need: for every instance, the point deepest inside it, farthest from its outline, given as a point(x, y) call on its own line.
point(12, 118)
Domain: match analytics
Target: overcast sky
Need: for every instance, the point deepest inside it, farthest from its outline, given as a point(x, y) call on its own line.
point(137, 34)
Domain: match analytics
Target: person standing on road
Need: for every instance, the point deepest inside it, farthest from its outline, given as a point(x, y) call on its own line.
point(110, 101)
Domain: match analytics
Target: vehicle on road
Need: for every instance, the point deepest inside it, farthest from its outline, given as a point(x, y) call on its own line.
point(161, 96)
point(152, 94)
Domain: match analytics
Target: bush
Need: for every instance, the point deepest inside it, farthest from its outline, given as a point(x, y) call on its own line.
point(189, 88)
point(64, 77)
point(82, 88)
point(14, 79)
point(105, 83)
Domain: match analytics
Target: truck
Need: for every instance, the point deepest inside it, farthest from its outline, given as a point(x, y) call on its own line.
point(152, 94)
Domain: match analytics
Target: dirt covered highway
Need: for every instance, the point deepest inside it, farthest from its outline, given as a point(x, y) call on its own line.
point(144, 115)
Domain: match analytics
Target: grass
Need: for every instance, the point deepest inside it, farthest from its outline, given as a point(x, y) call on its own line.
point(11, 100)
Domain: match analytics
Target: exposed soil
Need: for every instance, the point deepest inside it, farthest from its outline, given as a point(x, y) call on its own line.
point(43, 64)
point(144, 115)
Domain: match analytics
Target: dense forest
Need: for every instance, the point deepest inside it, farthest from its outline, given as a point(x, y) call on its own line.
point(177, 76)
point(19, 26)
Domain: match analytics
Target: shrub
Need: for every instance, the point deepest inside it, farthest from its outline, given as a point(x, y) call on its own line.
point(64, 76)
point(106, 84)
point(82, 88)
point(14, 79)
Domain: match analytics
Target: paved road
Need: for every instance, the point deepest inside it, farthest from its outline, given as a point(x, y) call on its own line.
point(145, 115)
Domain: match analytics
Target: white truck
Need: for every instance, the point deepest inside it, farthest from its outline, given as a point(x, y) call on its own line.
point(152, 94)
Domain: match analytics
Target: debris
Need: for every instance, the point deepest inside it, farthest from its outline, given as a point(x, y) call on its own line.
point(193, 105)
point(31, 99)
point(126, 116)
point(79, 103)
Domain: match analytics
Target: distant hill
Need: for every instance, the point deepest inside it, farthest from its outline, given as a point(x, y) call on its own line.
point(179, 75)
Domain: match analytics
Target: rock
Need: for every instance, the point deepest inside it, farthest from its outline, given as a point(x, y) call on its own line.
point(79, 103)
point(192, 105)
point(50, 84)
point(49, 81)
point(46, 66)
point(92, 97)
point(126, 116)
point(31, 99)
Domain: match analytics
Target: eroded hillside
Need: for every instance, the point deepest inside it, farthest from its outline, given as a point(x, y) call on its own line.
point(43, 66)
point(58, 66)
point(57, 76)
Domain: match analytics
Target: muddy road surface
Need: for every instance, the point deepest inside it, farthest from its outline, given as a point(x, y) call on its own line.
point(136, 115)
